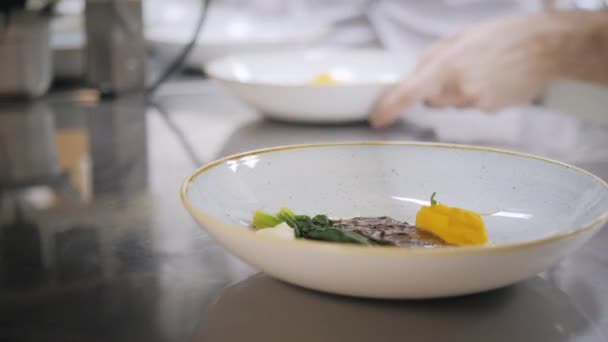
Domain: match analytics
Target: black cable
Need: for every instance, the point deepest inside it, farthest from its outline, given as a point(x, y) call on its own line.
point(165, 75)
point(178, 133)
point(181, 57)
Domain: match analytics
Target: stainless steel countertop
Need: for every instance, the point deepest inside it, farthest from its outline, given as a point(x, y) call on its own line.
point(127, 263)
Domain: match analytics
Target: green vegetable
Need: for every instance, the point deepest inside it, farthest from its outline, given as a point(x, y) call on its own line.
point(433, 202)
point(319, 227)
point(265, 220)
point(287, 211)
point(339, 235)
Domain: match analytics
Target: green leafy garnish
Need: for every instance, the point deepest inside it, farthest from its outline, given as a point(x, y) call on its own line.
point(319, 227)
point(265, 220)
point(433, 202)
point(286, 215)
point(322, 228)
point(339, 235)
point(287, 211)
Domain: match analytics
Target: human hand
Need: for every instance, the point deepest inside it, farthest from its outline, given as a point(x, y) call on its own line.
point(488, 66)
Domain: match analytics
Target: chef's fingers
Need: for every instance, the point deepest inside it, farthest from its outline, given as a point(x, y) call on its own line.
point(454, 94)
point(438, 51)
point(401, 97)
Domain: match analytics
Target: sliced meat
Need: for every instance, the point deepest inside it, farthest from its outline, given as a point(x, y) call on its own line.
point(389, 230)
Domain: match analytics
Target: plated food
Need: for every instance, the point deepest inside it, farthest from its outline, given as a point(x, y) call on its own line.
point(437, 225)
point(324, 79)
point(311, 85)
point(382, 236)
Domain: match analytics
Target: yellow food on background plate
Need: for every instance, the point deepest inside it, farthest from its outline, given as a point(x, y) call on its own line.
point(455, 226)
point(324, 79)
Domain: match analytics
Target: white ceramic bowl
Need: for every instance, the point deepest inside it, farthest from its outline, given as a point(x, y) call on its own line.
point(538, 212)
point(279, 84)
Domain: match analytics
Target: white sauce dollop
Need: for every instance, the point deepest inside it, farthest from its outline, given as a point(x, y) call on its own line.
point(282, 231)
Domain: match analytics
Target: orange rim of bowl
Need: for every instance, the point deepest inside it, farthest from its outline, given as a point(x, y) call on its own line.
point(237, 229)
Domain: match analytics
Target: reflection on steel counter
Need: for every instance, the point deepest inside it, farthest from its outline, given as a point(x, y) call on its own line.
point(118, 137)
point(19, 270)
point(28, 153)
point(36, 150)
point(264, 134)
point(73, 178)
point(114, 261)
point(534, 310)
point(77, 255)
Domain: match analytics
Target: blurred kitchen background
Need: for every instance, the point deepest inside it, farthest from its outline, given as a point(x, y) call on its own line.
point(105, 108)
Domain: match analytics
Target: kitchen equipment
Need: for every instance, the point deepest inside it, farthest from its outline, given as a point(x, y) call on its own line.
point(115, 49)
point(25, 55)
point(28, 153)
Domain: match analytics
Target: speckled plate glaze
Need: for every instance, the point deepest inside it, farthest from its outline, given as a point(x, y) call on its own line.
point(536, 210)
